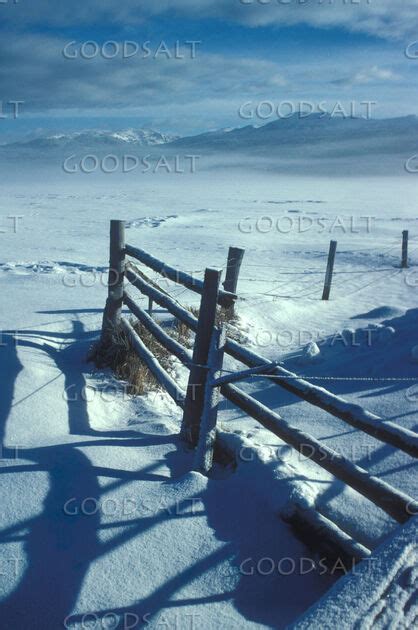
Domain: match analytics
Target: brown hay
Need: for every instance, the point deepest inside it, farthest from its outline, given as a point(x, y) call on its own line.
point(120, 356)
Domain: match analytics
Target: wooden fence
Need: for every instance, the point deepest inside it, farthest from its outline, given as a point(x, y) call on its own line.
point(208, 382)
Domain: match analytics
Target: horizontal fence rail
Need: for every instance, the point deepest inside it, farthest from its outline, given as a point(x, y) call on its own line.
point(225, 298)
point(352, 414)
point(162, 299)
point(392, 501)
point(207, 379)
point(319, 524)
point(173, 346)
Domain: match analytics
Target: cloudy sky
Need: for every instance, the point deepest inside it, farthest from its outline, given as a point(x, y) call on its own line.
point(327, 52)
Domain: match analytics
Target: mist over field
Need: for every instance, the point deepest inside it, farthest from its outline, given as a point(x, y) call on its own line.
point(297, 145)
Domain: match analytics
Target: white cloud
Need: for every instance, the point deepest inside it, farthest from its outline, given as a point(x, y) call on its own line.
point(37, 72)
point(365, 76)
point(373, 74)
point(383, 18)
point(192, 94)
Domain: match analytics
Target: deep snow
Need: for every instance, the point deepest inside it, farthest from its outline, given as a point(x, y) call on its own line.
point(130, 556)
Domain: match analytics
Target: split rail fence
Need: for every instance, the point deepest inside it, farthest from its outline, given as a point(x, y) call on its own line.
point(208, 382)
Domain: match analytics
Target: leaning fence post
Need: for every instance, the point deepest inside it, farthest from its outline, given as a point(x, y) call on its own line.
point(193, 405)
point(235, 256)
point(207, 435)
point(405, 235)
point(114, 302)
point(330, 270)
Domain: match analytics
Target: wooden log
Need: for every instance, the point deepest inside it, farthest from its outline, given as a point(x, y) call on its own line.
point(405, 235)
point(315, 528)
point(225, 298)
point(235, 256)
point(381, 594)
point(330, 270)
point(207, 434)
point(153, 364)
point(113, 308)
point(175, 348)
point(162, 299)
point(394, 502)
point(193, 407)
point(352, 414)
point(144, 276)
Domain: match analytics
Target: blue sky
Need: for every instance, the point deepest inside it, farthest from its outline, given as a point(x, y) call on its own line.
point(328, 52)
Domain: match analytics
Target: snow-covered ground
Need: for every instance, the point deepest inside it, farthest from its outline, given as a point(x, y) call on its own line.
point(73, 434)
point(384, 597)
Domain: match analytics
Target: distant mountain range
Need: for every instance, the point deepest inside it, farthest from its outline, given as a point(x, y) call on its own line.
point(314, 140)
point(95, 139)
point(316, 135)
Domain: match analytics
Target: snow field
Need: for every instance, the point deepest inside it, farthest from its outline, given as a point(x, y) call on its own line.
point(136, 554)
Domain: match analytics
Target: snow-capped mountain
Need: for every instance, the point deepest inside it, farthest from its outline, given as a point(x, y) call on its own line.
point(317, 142)
point(316, 133)
point(96, 139)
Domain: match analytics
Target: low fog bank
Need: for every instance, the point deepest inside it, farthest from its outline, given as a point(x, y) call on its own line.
point(333, 160)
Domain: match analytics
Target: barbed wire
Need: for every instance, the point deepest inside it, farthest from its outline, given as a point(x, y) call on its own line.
point(293, 271)
point(325, 378)
point(278, 286)
point(391, 275)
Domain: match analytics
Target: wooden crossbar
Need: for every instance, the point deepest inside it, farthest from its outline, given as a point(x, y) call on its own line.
point(352, 414)
point(225, 298)
point(397, 504)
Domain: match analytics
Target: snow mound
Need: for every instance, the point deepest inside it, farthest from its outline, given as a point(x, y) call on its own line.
point(153, 428)
point(281, 483)
point(379, 593)
point(381, 312)
point(311, 353)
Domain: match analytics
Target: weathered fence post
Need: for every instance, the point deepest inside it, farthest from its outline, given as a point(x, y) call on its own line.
point(193, 406)
point(330, 270)
point(207, 435)
point(235, 256)
point(405, 235)
point(114, 302)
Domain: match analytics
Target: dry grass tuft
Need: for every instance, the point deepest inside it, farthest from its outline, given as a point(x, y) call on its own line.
point(121, 358)
point(130, 368)
point(182, 334)
point(225, 316)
